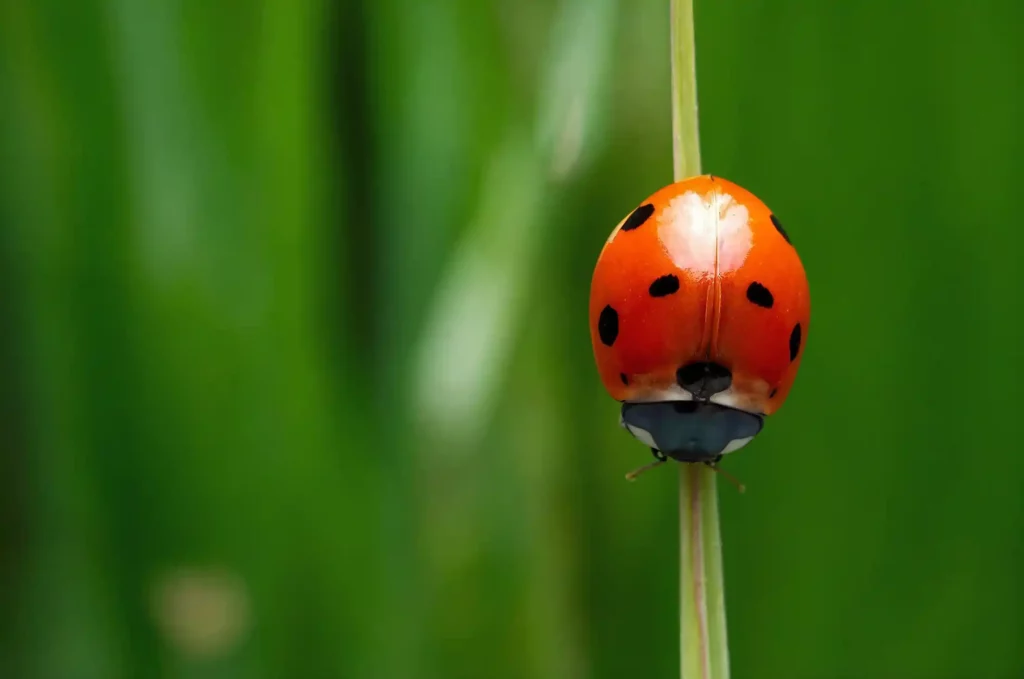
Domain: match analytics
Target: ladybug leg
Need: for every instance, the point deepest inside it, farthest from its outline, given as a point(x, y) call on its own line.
point(659, 458)
point(732, 479)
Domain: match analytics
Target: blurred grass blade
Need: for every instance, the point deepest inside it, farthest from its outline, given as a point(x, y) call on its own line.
point(572, 94)
point(467, 337)
point(473, 331)
point(464, 347)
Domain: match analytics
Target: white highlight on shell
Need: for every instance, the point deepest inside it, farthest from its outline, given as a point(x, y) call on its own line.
point(698, 230)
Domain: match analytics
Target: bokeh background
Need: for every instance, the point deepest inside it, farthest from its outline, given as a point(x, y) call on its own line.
point(296, 374)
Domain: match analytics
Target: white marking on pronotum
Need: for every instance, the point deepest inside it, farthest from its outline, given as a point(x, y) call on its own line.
point(736, 444)
point(642, 435)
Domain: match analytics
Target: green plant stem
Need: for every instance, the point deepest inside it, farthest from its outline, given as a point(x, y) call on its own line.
point(703, 643)
point(704, 652)
point(685, 134)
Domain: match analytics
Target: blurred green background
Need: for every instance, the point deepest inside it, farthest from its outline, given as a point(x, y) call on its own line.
point(296, 374)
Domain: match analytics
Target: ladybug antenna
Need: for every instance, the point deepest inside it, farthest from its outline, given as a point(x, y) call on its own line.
point(732, 479)
point(631, 476)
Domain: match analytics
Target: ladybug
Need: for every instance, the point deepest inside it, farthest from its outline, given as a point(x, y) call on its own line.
point(699, 312)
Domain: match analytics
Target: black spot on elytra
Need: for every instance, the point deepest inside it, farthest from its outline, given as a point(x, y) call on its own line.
point(608, 325)
point(778, 227)
point(794, 342)
point(704, 379)
point(774, 391)
point(625, 380)
point(664, 285)
point(639, 216)
point(760, 295)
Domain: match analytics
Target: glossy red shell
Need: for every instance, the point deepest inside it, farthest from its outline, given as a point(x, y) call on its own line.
point(742, 298)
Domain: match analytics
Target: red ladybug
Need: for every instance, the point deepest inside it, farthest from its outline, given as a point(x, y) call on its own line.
point(699, 311)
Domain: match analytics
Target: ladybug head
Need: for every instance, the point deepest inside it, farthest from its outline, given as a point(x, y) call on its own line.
point(690, 431)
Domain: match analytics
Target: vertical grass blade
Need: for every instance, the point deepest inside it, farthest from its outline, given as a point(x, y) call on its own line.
point(703, 643)
point(685, 133)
